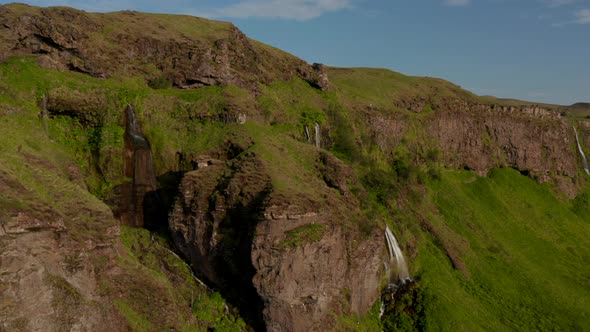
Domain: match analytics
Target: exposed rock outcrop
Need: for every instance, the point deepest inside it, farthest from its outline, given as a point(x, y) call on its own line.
point(50, 283)
point(50, 272)
point(292, 259)
point(479, 137)
point(62, 264)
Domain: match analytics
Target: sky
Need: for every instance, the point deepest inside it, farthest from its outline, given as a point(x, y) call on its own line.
point(537, 50)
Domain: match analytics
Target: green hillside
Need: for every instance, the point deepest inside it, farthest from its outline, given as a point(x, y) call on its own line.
point(487, 253)
point(518, 251)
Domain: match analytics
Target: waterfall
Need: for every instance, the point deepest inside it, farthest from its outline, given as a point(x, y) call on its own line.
point(396, 253)
point(140, 204)
point(306, 131)
point(317, 135)
point(584, 160)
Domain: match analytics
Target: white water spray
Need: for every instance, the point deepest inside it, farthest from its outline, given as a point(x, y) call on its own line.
point(395, 252)
point(317, 135)
point(584, 160)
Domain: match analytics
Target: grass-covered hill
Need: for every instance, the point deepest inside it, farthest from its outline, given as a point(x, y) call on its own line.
point(487, 197)
point(580, 110)
point(167, 50)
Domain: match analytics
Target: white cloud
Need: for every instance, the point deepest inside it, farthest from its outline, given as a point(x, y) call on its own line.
point(583, 16)
point(559, 3)
point(457, 3)
point(284, 9)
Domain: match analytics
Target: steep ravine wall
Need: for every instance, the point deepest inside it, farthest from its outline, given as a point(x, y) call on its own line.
point(291, 262)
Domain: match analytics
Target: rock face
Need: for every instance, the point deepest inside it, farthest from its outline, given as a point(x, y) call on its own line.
point(48, 282)
point(64, 268)
point(140, 204)
point(103, 45)
point(50, 276)
point(291, 258)
point(479, 137)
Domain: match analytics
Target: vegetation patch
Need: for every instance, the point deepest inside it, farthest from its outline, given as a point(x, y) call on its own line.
point(524, 249)
point(165, 277)
point(301, 235)
point(136, 321)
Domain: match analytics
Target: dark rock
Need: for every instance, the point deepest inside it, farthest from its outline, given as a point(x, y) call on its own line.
point(230, 224)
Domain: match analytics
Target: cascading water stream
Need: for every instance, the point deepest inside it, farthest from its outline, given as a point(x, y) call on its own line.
point(318, 138)
point(584, 160)
point(306, 131)
point(395, 256)
point(395, 252)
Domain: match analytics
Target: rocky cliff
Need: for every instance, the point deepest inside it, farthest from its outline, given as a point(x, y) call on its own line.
point(533, 140)
point(293, 260)
point(464, 131)
point(63, 265)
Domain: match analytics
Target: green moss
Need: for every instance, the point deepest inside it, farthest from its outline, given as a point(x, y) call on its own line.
point(212, 311)
point(169, 278)
point(368, 322)
point(301, 235)
point(136, 321)
point(160, 82)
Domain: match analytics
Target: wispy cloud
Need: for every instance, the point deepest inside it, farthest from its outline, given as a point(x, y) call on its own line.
point(559, 3)
point(278, 9)
point(457, 3)
point(583, 16)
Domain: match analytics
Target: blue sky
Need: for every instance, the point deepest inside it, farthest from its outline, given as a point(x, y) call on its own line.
point(535, 50)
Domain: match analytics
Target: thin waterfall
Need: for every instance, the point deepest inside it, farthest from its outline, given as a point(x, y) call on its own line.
point(395, 252)
point(306, 131)
point(403, 276)
point(584, 160)
point(317, 135)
